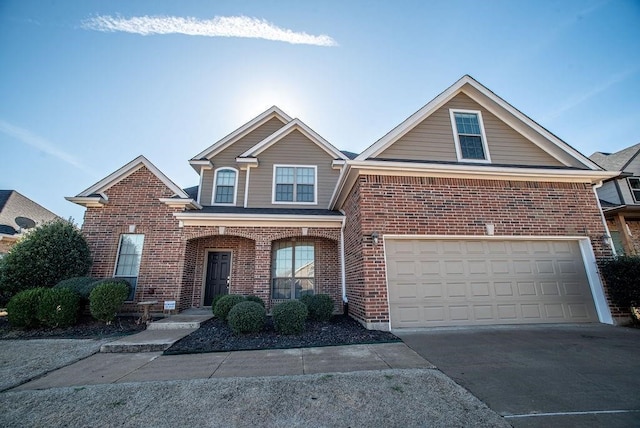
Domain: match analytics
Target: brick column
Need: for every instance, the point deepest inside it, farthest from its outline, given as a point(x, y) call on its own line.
point(262, 272)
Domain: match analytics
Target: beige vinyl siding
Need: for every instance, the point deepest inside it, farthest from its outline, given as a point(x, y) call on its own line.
point(227, 158)
point(609, 193)
point(293, 149)
point(432, 139)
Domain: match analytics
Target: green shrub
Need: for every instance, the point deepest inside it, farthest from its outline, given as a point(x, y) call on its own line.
point(224, 305)
point(289, 317)
point(23, 308)
point(255, 299)
point(247, 317)
point(621, 275)
point(215, 300)
point(320, 306)
point(45, 256)
point(106, 300)
point(58, 307)
point(130, 292)
point(81, 285)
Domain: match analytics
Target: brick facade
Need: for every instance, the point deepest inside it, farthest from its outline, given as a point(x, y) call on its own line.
point(174, 257)
point(448, 206)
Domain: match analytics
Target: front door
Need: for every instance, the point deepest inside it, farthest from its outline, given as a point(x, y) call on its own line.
point(218, 269)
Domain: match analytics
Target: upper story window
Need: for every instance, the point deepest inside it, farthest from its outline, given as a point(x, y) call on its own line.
point(634, 184)
point(294, 184)
point(128, 261)
point(224, 186)
point(469, 135)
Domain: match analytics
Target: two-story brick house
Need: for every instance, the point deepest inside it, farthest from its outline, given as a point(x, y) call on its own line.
point(466, 213)
point(620, 197)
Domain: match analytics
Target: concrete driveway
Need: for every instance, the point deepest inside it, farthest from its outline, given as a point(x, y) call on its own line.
point(543, 375)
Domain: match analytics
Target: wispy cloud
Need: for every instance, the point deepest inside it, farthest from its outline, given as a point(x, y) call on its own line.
point(582, 97)
point(219, 26)
point(29, 138)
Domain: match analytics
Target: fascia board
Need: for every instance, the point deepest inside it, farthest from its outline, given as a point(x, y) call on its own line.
point(479, 172)
point(242, 131)
point(295, 124)
point(530, 123)
point(186, 203)
point(88, 202)
point(126, 171)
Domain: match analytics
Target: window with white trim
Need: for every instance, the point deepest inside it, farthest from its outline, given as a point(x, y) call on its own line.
point(294, 184)
point(634, 185)
point(128, 261)
point(224, 186)
point(469, 135)
point(293, 269)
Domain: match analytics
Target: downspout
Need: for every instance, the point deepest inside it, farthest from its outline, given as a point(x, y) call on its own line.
point(604, 220)
point(342, 262)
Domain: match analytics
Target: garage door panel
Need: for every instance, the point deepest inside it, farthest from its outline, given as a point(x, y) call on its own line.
point(447, 282)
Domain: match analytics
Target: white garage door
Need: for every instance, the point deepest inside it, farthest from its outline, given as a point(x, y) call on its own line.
point(476, 282)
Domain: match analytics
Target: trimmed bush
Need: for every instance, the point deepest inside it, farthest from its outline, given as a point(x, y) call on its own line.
point(224, 305)
point(130, 295)
point(215, 300)
point(106, 300)
point(320, 306)
point(45, 256)
point(621, 275)
point(289, 317)
point(58, 307)
point(81, 285)
point(23, 308)
point(247, 317)
point(255, 299)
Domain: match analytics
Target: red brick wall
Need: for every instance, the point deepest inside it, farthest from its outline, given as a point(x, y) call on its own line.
point(447, 206)
point(251, 258)
point(134, 201)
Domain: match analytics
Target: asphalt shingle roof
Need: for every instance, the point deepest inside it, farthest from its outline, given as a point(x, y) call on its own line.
point(615, 161)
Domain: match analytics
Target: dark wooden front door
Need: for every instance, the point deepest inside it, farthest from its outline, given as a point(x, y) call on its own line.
point(218, 270)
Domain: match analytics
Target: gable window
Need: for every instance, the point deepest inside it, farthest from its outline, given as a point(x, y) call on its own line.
point(224, 186)
point(634, 184)
point(293, 269)
point(294, 184)
point(470, 139)
point(128, 262)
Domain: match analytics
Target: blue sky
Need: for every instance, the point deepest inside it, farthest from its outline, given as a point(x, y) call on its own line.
point(83, 91)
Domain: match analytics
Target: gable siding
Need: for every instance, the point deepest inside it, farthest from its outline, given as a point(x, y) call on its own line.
point(294, 149)
point(634, 166)
point(433, 140)
point(609, 193)
point(227, 157)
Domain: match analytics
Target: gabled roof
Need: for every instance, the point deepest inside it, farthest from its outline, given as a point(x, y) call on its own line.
point(127, 170)
point(489, 100)
point(294, 125)
point(255, 123)
point(617, 161)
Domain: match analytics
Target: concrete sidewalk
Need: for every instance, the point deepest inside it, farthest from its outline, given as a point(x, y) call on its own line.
point(106, 368)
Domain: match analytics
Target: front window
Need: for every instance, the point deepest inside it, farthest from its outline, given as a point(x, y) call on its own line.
point(128, 262)
point(293, 269)
point(225, 187)
point(295, 184)
point(469, 136)
point(634, 184)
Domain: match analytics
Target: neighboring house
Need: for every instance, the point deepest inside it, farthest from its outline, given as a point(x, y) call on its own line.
point(620, 198)
point(17, 214)
point(466, 213)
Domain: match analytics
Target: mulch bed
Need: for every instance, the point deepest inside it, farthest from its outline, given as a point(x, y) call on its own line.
point(216, 336)
point(86, 328)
